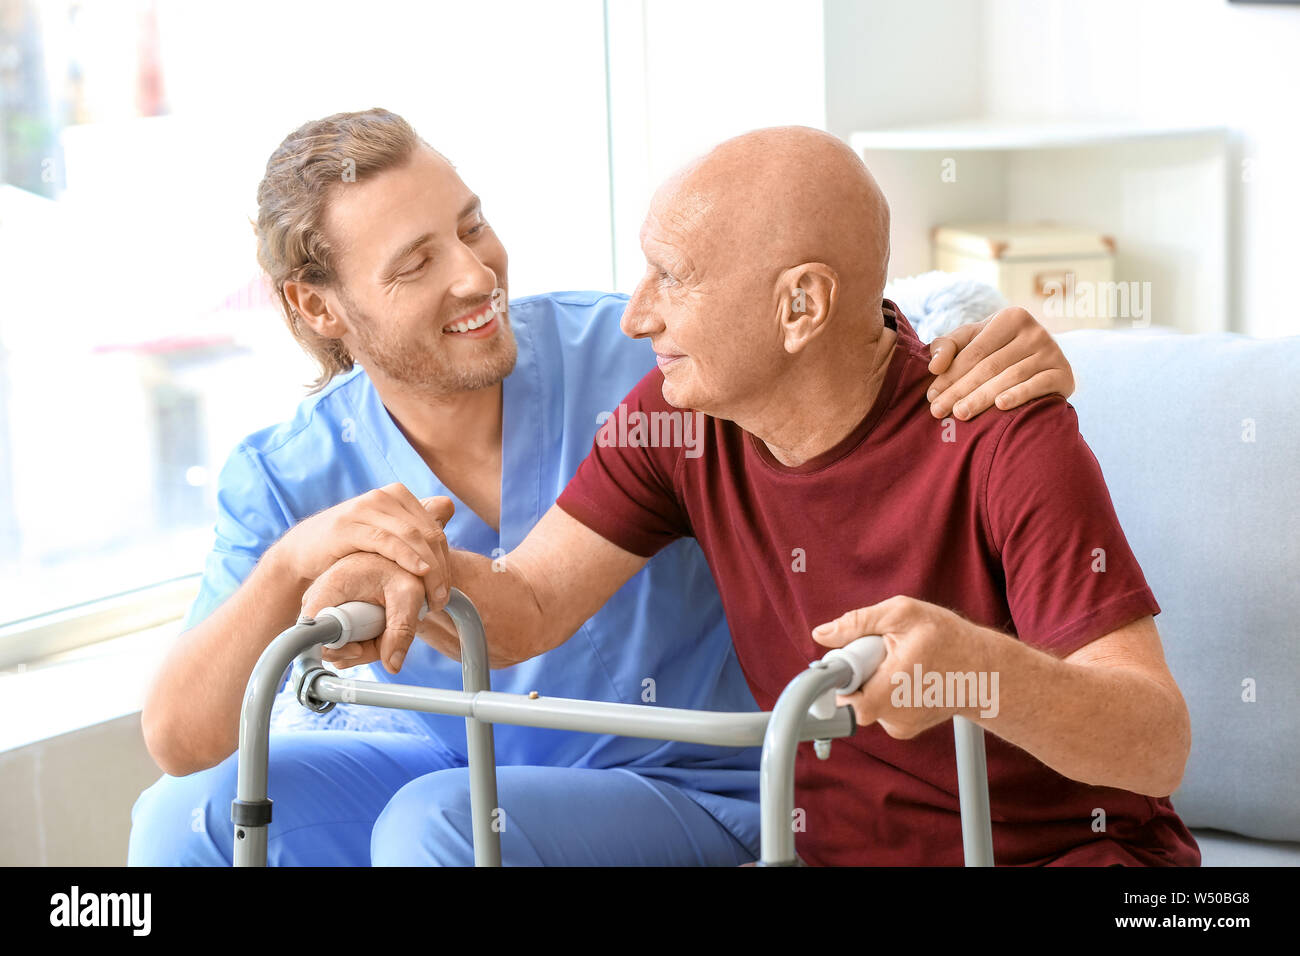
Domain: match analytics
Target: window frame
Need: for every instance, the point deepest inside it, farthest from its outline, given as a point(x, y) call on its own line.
point(36, 640)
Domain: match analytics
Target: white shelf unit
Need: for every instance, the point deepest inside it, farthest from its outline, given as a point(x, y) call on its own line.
point(1161, 191)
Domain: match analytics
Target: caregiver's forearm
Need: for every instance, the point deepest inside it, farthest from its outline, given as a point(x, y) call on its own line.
point(190, 718)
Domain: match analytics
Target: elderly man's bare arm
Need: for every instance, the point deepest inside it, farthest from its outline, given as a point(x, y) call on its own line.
point(1110, 714)
point(531, 600)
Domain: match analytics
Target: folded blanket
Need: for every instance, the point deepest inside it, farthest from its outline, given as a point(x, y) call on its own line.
point(935, 303)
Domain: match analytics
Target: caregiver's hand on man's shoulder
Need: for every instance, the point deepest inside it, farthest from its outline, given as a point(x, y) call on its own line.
point(1007, 360)
point(390, 522)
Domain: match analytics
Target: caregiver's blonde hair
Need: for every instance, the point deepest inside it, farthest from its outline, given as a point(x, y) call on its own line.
point(311, 162)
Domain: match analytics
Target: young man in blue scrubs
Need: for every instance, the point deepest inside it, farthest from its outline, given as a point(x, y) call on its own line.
point(381, 254)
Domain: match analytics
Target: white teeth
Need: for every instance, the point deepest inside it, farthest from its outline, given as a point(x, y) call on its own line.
point(478, 323)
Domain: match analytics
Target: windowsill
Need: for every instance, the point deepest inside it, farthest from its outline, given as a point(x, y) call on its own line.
point(78, 689)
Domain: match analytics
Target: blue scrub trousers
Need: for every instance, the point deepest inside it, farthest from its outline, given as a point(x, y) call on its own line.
point(360, 798)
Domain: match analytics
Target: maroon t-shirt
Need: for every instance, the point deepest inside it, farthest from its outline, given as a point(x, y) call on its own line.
point(998, 519)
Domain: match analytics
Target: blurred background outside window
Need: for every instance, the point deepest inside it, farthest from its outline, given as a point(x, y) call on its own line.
point(138, 341)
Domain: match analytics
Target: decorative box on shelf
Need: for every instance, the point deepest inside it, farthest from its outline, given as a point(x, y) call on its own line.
point(1065, 276)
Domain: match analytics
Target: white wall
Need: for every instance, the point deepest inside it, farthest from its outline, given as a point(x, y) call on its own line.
point(1202, 62)
point(67, 800)
point(687, 74)
point(1159, 60)
point(511, 91)
point(901, 64)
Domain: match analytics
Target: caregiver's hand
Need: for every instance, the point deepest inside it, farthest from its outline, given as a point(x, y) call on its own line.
point(389, 522)
point(368, 577)
point(1008, 359)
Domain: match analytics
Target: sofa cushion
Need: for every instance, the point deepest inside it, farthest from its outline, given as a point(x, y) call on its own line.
point(1198, 437)
point(1219, 848)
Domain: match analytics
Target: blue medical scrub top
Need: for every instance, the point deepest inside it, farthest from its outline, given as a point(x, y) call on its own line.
point(664, 625)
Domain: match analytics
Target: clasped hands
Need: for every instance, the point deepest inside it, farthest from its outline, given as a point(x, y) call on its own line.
point(385, 547)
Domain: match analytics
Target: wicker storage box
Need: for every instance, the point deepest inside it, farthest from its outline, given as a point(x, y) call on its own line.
point(1064, 276)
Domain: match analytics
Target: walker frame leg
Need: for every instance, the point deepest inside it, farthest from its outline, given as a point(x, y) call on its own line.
point(776, 767)
point(251, 810)
point(973, 792)
point(476, 676)
point(776, 771)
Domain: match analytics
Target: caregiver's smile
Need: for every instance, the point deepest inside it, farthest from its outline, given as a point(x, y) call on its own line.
point(480, 323)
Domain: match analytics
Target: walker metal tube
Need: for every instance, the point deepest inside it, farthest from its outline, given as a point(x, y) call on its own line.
point(973, 792)
point(714, 728)
point(478, 734)
point(776, 770)
point(780, 732)
point(776, 767)
point(251, 811)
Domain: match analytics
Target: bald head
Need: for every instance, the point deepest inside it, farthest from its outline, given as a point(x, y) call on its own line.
point(765, 264)
point(782, 196)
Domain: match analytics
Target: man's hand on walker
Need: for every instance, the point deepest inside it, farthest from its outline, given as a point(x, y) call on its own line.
point(1007, 359)
point(368, 577)
point(916, 634)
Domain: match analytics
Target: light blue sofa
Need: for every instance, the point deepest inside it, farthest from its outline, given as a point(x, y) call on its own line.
point(1199, 440)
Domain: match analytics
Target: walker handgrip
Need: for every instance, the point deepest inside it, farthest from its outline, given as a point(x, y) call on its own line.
point(360, 621)
point(862, 656)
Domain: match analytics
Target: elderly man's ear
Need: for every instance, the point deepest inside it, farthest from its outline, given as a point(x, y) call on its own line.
point(807, 295)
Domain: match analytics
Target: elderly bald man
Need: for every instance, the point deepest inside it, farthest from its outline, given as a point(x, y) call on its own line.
point(830, 504)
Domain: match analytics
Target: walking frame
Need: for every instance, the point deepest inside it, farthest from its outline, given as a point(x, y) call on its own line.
point(805, 710)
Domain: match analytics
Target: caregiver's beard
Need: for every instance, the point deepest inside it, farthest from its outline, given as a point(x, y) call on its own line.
point(423, 364)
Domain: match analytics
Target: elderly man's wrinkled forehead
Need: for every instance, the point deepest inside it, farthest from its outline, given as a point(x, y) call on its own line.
point(680, 211)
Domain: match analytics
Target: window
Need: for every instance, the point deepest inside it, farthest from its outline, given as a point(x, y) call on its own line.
point(138, 342)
